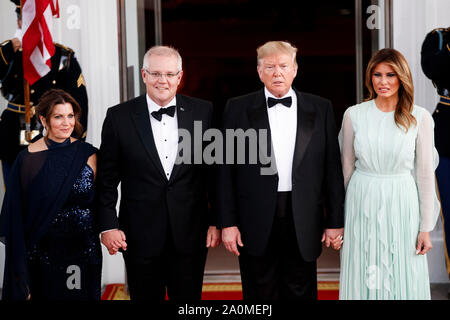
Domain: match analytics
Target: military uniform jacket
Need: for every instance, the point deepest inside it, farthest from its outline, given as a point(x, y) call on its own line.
point(435, 60)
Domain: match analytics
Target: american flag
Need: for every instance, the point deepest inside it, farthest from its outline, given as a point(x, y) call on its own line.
point(37, 41)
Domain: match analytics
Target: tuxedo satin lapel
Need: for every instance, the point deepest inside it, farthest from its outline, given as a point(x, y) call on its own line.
point(141, 119)
point(258, 116)
point(259, 120)
point(185, 121)
point(305, 127)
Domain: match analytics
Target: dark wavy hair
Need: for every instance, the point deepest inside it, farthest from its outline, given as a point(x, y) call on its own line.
point(51, 98)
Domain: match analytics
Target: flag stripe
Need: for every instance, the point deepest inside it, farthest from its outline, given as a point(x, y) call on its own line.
point(37, 42)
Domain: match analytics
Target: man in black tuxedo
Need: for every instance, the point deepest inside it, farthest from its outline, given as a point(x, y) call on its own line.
point(164, 215)
point(278, 219)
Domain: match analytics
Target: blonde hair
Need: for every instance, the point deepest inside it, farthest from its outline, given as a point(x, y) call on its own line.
point(276, 47)
point(165, 51)
point(403, 111)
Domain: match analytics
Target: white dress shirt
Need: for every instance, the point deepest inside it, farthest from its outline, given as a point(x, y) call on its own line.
point(165, 135)
point(283, 128)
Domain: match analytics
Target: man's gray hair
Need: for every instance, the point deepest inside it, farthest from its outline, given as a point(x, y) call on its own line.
point(165, 51)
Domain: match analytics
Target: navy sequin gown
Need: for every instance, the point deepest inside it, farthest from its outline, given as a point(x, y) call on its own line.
point(67, 260)
point(62, 256)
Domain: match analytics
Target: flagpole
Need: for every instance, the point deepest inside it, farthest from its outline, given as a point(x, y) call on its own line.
point(26, 90)
point(26, 96)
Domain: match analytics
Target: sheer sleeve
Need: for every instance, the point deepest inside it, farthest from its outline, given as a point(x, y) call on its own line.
point(346, 138)
point(31, 165)
point(426, 163)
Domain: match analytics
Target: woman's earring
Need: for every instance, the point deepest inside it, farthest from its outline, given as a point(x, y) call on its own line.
point(44, 131)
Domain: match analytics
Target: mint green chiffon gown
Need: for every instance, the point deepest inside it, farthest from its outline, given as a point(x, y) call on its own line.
point(390, 198)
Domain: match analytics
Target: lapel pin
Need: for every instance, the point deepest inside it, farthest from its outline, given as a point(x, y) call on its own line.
point(181, 108)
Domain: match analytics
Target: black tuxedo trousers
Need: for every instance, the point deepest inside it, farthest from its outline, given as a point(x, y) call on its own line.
point(281, 273)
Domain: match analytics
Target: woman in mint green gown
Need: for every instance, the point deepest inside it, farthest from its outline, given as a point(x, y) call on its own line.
point(388, 160)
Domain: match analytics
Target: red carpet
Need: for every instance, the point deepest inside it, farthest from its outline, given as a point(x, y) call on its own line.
point(222, 291)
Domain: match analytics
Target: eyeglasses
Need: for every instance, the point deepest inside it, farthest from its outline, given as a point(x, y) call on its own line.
point(159, 75)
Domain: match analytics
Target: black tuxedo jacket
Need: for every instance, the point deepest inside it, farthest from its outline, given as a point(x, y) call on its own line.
point(247, 199)
point(150, 203)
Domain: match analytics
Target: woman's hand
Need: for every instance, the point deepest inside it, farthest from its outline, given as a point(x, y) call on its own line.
point(423, 243)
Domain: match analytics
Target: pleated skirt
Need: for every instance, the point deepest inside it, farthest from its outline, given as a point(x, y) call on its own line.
point(378, 256)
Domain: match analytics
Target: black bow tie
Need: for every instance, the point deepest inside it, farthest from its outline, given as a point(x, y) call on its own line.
point(285, 101)
point(170, 111)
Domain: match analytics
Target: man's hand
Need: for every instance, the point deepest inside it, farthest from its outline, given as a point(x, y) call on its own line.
point(423, 243)
point(113, 240)
point(333, 237)
point(213, 237)
point(231, 237)
point(16, 44)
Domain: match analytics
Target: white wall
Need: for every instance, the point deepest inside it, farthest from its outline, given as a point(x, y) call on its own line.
point(98, 53)
point(90, 29)
point(412, 20)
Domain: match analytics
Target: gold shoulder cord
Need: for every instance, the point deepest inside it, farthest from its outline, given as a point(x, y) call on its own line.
point(3, 57)
point(80, 81)
point(64, 47)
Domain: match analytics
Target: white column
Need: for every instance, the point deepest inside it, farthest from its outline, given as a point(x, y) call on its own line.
point(133, 34)
point(98, 55)
point(412, 20)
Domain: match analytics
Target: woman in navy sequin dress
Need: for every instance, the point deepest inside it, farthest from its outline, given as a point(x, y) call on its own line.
point(48, 215)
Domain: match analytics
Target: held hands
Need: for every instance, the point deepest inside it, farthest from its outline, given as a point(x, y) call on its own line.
point(230, 238)
point(423, 243)
point(213, 237)
point(333, 237)
point(113, 240)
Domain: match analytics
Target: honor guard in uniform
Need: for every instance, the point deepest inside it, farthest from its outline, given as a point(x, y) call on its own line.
point(65, 74)
point(435, 60)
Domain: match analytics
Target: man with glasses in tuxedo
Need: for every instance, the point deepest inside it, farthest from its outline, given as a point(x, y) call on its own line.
point(165, 224)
